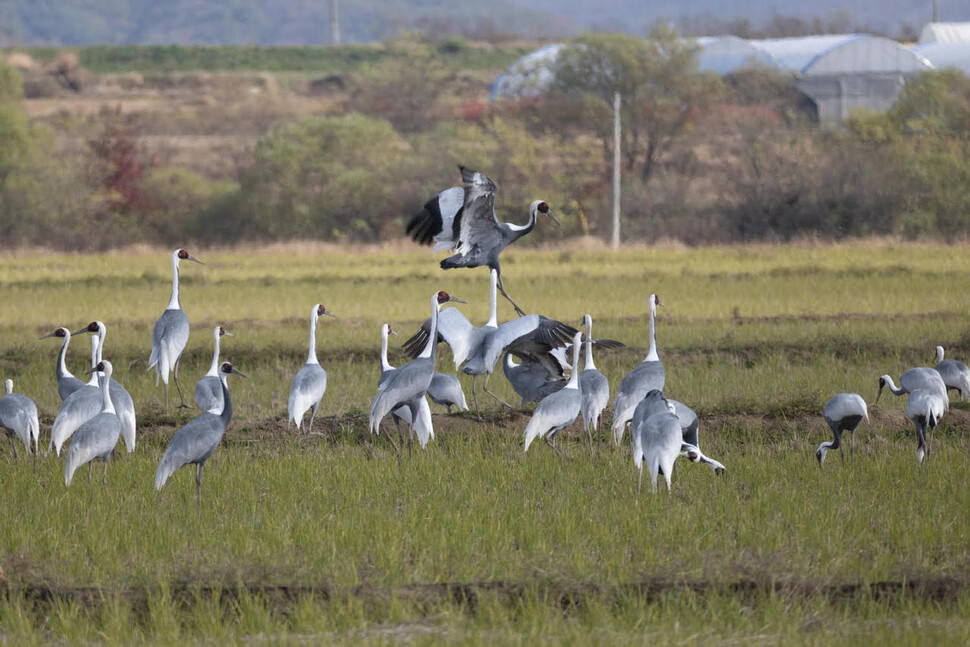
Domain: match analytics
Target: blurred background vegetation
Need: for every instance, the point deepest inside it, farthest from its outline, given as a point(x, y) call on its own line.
point(108, 146)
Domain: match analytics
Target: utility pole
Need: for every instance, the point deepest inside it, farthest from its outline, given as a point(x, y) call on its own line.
point(616, 171)
point(334, 23)
point(936, 10)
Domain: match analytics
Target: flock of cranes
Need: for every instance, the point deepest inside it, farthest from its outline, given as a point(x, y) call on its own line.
point(536, 354)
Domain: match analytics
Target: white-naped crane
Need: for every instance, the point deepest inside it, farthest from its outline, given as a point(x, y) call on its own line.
point(920, 377)
point(77, 408)
point(98, 436)
point(66, 382)
point(842, 412)
point(469, 227)
point(123, 403)
point(955, 374)
point(593, 386)
point(408, 384)
point(208, 390)
point(529, 338)
point(658, 439)
point(199, 438)
point(446, 390)
point(171, 332)
point(310, 382)
point(690, 426)
point(649, 375)
point(422, 426)
point(18, 416)
point(557, 410)
point(925, 407)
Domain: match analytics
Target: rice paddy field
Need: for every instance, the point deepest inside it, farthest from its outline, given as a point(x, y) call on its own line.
point(329, 538)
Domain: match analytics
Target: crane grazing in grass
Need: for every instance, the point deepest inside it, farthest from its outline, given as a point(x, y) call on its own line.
point(194, 443)
point(649, 375)
point(843, 412)
point(658, 439)
point(97, 437)
point(469, 226)
point(955, 374)
point(18, 416)
point(171, 332)
point(921, 377)
point(310, 382)
point(689, 427)
point(925, 407)
point(208, 390)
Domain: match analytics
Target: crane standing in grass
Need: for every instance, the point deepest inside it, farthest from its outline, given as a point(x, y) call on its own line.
point(171, 332)
point(97, 437)
point(18, 416)
point(310, 382)
point(208, 390)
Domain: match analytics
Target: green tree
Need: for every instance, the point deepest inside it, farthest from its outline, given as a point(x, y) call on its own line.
point(660, 87)
point(937, 102)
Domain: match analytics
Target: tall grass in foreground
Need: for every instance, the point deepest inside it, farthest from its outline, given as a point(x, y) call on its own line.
point(754, 338)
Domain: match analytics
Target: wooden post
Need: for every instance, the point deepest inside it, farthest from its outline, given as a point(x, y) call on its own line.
point(334, 24)
point(616, 171)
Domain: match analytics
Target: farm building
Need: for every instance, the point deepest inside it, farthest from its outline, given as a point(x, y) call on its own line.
point(945, 32)
point(839, 73)
point(943, 54)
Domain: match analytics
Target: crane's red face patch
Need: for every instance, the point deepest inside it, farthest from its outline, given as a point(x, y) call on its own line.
point(183, 254)
point(222, 331)
point(882, 382)
point(692, 456)
point(543, 207)
point(443, 297)
point(656, 299)
point(93, 326)
point(320, 310)
point(61, 332)
point(100, 366)
point(226, 367)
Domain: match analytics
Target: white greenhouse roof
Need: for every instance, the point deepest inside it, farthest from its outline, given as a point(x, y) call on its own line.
point(942, 55)
point(945, 32)
point(529, 76)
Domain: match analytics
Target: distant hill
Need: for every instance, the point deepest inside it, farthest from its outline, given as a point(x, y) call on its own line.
point(306, 22)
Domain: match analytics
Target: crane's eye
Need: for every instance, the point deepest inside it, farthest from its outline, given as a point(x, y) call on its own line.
point(882, 383)
point(183, 254)
point(543, 207)
point(93, 326)
point(443, 296)
point(61, 332)
point(226, 367)
point(320, 310)
point(100, 366)
point(656, 298)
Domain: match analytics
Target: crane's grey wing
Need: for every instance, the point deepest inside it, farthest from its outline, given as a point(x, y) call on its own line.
point(307, 388)
point(843, 405)
point(689, 421)
point(646, 377)
point(554, 412)
point(404, 384)
point(478, 230)
point(438, 221)
point(446, 389)
point(125, 409)
point(595, 391)
point(208, 393)
point(68, 385)
point(171, 333)
point(193, 443)
point(78, 408)
point(532, 380)
point(453, 328)
point(521, 336)
point(96, 438)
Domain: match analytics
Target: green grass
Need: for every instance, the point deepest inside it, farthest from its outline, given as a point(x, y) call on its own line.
point(472, 541)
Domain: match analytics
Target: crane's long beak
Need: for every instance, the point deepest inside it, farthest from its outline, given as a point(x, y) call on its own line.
point(328, 313)
point(80, 332)
point(238, 372)
point(554, 219)
point(50, 334)
point(392, 332)
point(193, 258)
point(226, 333)
point(660, 303)
point(456, 300)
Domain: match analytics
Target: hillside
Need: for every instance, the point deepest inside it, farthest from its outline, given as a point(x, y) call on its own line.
point(307, 22)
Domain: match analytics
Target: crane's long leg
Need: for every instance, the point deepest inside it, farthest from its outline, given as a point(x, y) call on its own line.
point(552, 445)
point(640, 480)
point(198, 484)
point(166, 396)
point(505, 294)
point(175, 375)
point(313, 414)
point(13, 444)
point(852, 446)
point(485, 388)
point(104, 476)
point(478, 411)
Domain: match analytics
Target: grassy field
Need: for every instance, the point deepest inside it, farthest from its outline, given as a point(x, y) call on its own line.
point(330, 539)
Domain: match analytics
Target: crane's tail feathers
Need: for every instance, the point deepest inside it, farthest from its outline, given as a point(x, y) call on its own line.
point(128, 430)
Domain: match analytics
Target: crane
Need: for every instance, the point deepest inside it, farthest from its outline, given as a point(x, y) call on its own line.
point(593, 386)
point(689, 426)
point(208, 390)
point(955, 374)
point(647, 376)
point(124, 405)
point(195, 442)
point(557, 410)
point(925, 407)
point(310, 382)
point(921, 377)
point(408, 384)
point(658, 439)
point(97, 437)
point(18, 416)
point(171, 332)
point(470, 227)
point(533, 380)
point(79, 407)
point(446, 390)
point(843, 412)
point(66, 382)
point(422, 426)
